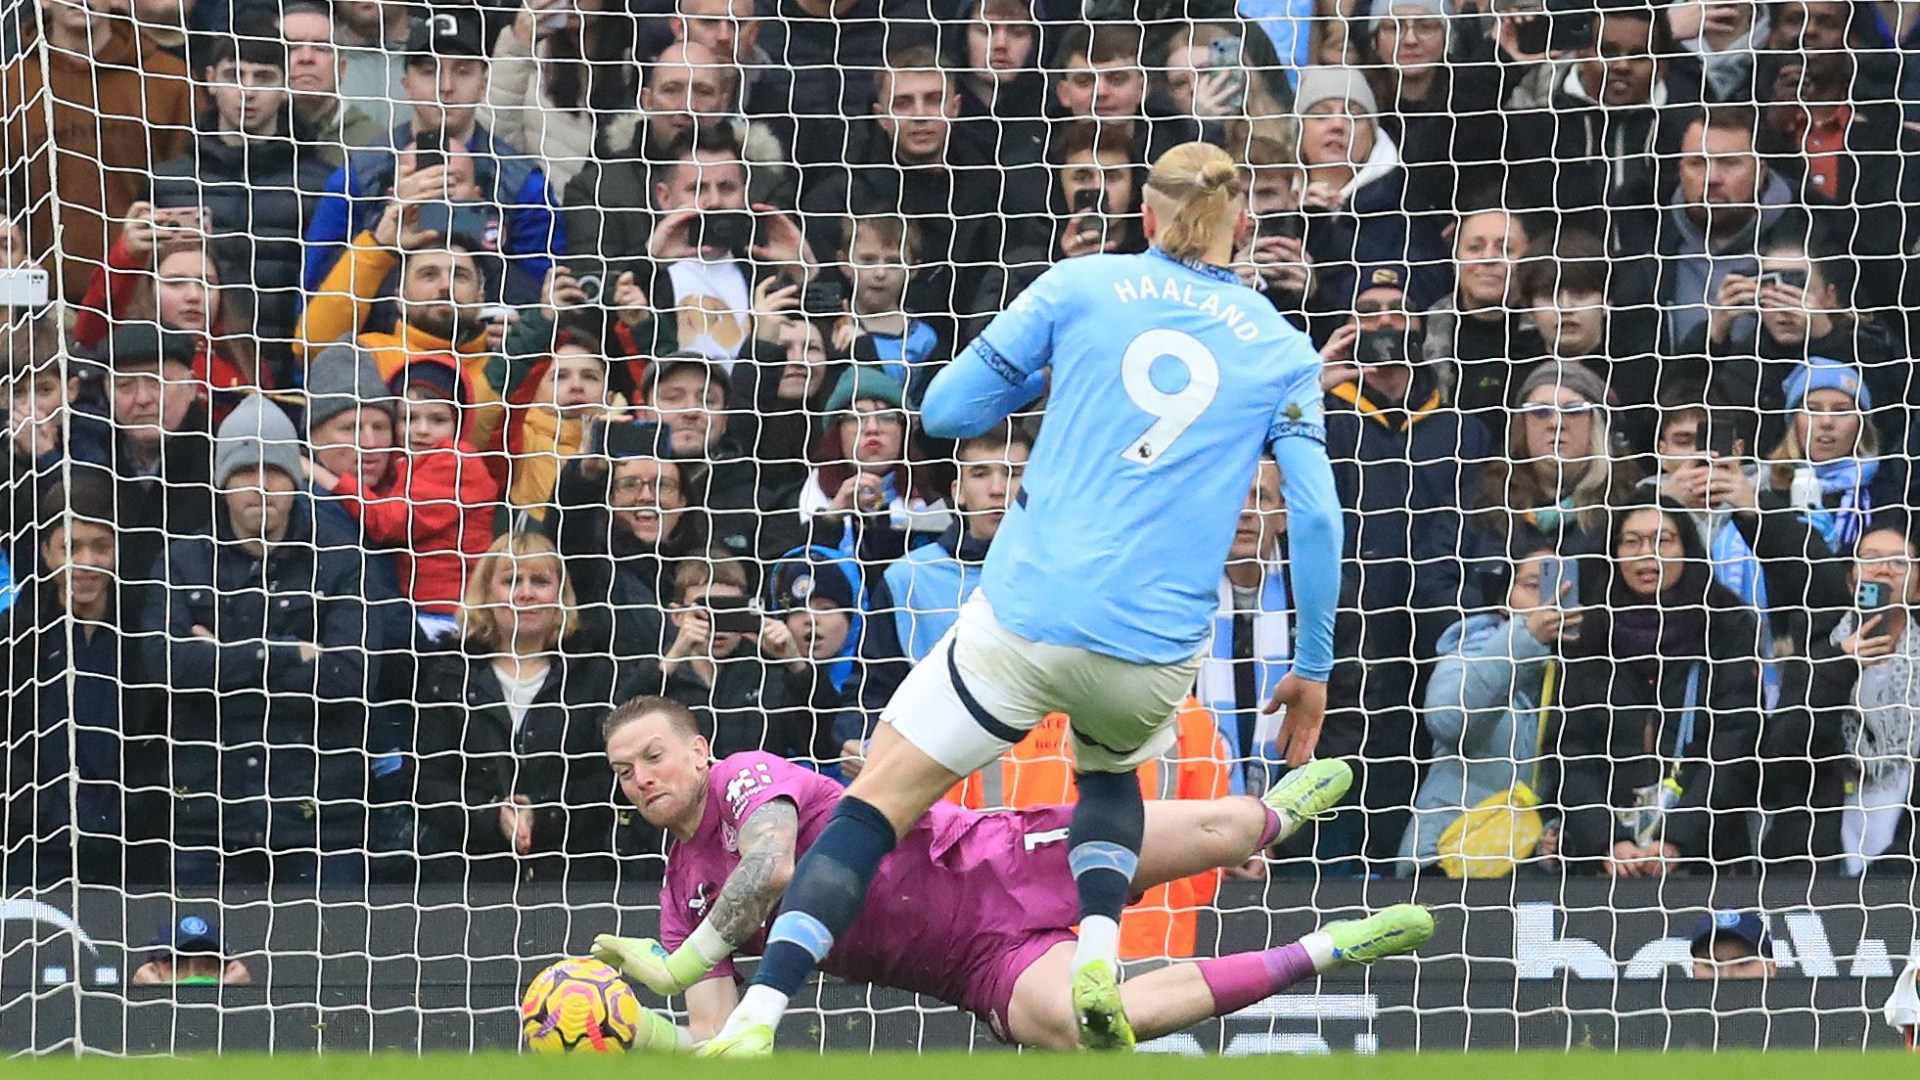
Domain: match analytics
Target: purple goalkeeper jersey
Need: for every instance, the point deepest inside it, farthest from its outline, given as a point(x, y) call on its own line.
point(957, 910)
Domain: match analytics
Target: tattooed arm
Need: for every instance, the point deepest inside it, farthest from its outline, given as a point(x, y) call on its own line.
point(753, 890)
point(767, 841)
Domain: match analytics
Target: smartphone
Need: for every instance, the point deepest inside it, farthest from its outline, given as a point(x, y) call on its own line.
point(1871, 596)
point(1559, 27)
point(733, 615)
point(1795, 278)
point(25, 287)
point(1571, 31)
point(1719, 440)
point(1557, 575)
point(430, 149)
point(1291, 226)
point(727, 230)
point(823, 298)
point(1386, 346)
point(1088, 200)
point(1224, 55)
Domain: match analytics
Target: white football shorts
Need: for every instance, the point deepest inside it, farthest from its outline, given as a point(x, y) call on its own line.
point(983, 687)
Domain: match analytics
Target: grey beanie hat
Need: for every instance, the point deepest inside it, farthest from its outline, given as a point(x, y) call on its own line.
point(1438, 9)
point(1318, 84)
point(1576, 377)
point(343, 377)
point(256, 435)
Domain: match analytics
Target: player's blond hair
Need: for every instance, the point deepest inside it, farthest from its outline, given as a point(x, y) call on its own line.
point(1198, 189)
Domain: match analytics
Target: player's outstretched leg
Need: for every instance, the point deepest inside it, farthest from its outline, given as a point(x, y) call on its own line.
point(1103, 851)
point(1177, 997)
point(1190, 836)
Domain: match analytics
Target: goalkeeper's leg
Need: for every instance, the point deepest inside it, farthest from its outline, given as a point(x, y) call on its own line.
point(1172, 998)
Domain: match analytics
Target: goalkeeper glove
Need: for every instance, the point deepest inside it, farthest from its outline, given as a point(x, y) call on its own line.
point(647, 962)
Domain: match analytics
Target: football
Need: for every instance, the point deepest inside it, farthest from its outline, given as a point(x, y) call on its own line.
point(580, 1005)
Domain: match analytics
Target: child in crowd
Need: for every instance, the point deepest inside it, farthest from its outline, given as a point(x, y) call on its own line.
point(440, 500)
point(881, 251)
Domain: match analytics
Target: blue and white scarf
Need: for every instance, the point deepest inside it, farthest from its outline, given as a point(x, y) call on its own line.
point(1849, 478)
point(1272, 658)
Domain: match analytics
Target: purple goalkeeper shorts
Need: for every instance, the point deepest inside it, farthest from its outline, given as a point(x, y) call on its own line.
point(1023, 902)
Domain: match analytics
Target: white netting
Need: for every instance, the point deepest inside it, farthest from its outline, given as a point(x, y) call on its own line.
point(420, 382)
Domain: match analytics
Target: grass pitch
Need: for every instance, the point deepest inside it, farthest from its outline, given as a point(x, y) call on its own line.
point(1576, 1065)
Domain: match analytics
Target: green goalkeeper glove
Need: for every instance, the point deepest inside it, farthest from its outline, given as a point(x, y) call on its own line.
point(647, 962)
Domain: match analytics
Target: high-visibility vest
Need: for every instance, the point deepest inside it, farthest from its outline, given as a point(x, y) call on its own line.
point(1038, 771)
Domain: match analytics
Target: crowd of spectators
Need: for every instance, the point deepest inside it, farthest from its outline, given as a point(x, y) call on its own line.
point(421, 381)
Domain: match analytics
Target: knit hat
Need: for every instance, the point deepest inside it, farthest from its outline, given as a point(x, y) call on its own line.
point(1438, 9)
point(1820, 373)
point(1573, 376)
point(1383, 276)
point(344, 377)
point(1318, 84)
point(797, 580)
point(857, 383)
point(145, 344)
point(433, 373)
point(255, 435)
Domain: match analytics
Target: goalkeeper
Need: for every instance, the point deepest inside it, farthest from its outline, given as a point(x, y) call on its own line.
point(970, 908)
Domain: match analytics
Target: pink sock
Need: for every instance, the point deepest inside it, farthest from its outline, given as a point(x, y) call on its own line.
point(1239, 980)
point(1271, 830)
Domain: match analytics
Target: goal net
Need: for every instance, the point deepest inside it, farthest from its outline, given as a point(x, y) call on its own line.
point(398, 388)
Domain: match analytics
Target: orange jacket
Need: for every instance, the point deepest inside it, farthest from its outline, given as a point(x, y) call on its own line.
point(1164, 922)
point(339, 309)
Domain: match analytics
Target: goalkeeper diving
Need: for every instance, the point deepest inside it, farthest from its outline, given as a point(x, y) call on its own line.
point(1165, 379)
point(971, 908)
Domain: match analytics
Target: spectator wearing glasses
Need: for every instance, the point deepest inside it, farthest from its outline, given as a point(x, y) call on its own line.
point(1656, 744)
point(1859, 798)
point(1432, 107)
point(627, 512)
point(1559, 476)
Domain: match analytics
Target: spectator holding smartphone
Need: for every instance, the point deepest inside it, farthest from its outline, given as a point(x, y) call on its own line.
point(723, 662)
point(465, 178)
point(1764, 326)
point(709, 247)
point(873, 491)
point(1763, 549)
point(1860, 693)
point(1487, 705)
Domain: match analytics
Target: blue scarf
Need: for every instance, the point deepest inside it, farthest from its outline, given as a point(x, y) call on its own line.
point(1849, 478)
point(1272, 659)
point(1738, 568)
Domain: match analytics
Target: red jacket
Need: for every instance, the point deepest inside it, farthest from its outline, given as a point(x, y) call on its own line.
point(438, 509)
point(110, 292)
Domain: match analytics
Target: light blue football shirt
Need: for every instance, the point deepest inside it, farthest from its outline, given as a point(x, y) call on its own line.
point(1167, 378)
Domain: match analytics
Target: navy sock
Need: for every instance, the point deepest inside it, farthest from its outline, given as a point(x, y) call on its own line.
point(1103, 842)
point(828, 890)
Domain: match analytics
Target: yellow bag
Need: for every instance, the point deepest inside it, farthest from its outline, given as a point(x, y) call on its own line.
point(1491, 838)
